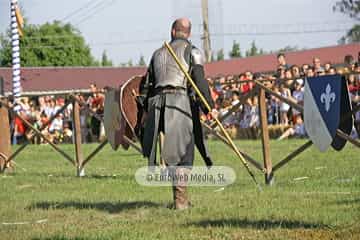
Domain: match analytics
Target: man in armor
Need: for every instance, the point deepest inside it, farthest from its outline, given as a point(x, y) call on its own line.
point(172, 108)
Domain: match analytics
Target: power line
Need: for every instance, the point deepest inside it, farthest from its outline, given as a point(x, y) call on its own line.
point(85, 6)
point(242, 29)
point(279, 33)
point(142, 41)
point(99, 44)
point(97, 9)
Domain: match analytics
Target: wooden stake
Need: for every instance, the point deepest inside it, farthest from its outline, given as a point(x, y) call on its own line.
point(91, 155)
point(5, 144)
point(29, 125)
point(292, 155)
point(224, 140)
point(77, 139)
point(265, 140)
point(40, 129)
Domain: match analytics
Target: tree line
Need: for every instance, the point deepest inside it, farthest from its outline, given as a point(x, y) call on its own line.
point(53, 44)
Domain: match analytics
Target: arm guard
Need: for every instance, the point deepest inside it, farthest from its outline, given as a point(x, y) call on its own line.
point(198, 75)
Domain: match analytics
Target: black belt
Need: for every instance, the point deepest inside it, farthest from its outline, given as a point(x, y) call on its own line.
point(170, 90)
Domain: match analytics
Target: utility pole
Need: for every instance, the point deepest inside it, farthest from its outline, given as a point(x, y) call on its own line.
point(206, 33)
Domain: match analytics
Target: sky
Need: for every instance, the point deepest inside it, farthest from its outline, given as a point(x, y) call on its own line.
point(128, 29)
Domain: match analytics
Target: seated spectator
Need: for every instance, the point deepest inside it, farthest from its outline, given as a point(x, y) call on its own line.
point(96, 103)
point(56, 129)
point(275, 105)
point(327, 67)
point(295, 70)
point(234, 118)
point(43, 119)
point(57, 124)
point(280, 73)
point(235, 98)
point(304, 69)
point(353, 84)
point(19, 129)
point(318, 69)
point(222, 80)
point(284, 107)
point(67, 133)
point(250, 114)
point(332, 71)
point(50, 108)
point(246, 86)
point(310, 72)
point(227, 91)
point(25, 105)
point(289, 76)
point(357, 68)
point(298, 130)
point(213, 92)
point(298, 97)
point(282, 61)
point(42, 103)
point(349, 61)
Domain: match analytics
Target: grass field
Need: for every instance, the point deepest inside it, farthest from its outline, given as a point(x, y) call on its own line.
point(316, 196)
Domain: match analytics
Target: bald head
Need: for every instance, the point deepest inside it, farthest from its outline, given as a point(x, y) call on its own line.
point(181, 28)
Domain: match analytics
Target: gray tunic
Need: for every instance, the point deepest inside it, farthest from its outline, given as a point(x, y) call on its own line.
point(168, 107)
point(171, 113)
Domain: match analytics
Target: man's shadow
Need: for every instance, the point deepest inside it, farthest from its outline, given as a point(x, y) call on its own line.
point(349, 201)
point(110, 207)
point(264, 224)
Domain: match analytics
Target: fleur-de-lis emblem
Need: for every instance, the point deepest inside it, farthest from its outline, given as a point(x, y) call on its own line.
point(328, 97)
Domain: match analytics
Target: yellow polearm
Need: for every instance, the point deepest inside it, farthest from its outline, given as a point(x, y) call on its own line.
point(203, 100)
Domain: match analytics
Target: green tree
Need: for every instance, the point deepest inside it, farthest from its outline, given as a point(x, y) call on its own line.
point(253, 51)
point(348, 7)
point(105, 61)
point(287, 49)
point(130, 63)
point(142, 61)
point(220, 55)
point(353, 35)
point(235, 51)
point(352, 9)
point(212, 57)
point(50, 44)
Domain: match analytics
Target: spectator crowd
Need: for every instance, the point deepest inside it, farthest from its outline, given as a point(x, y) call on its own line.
point(39, 111)
point(284, 121)
point(287, 81)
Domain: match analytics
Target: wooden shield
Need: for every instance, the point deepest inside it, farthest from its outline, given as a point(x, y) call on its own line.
point(112, 118)
point(128, 105)
point(120, 113)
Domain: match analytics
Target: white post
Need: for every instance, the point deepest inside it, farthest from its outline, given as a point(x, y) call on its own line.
point(15, 44)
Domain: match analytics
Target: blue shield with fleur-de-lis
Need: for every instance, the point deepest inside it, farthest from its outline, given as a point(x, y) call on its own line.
point(346, 118)
point(322, 101)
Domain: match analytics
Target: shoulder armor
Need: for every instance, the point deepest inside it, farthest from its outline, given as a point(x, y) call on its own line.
point(197, 57)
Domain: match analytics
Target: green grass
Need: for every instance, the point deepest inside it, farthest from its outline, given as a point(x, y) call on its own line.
point(109, 204)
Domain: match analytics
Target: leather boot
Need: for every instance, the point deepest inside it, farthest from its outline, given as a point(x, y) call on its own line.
point(181, 200)
point(179, 189)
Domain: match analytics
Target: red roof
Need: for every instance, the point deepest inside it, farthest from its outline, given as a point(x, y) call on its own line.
point(69, 78)
point(265, 63)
